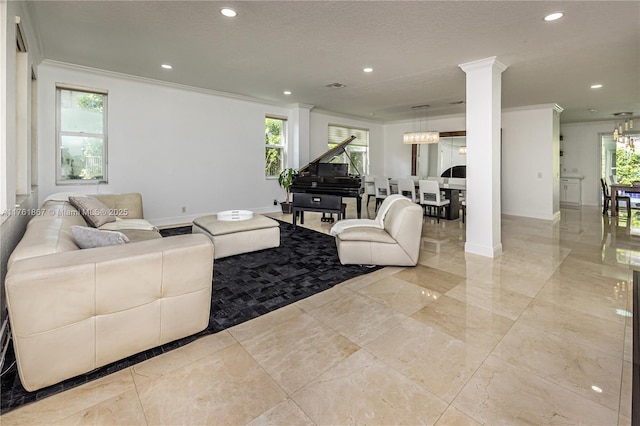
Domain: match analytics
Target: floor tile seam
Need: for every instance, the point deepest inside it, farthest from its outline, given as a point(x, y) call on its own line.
point(622, 374)
point(330, 366)
point(421, 386)
point(194, 361)
point(582, 345)
point(590, 312)
point(103, 400)
point(551, 382)
point(275, 382)
point(573, 340)
point(315, 422)
point(475, 304)
point(391, 307)
point(144, 412)
point(584, 292)
point(381, 305)
point(561, 335)
point(575, 277)
point(621, 391)
point(471, 376)
point(265, 331)
point(565, 386)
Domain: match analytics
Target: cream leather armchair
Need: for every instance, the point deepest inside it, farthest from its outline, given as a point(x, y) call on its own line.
point(393, 238)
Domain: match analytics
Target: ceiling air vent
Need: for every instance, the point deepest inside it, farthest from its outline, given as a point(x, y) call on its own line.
point(336, 85)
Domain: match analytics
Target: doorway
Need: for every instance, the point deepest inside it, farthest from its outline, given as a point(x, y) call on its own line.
point(620, 161)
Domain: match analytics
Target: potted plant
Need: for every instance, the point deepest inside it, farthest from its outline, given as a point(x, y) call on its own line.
point(286, 180)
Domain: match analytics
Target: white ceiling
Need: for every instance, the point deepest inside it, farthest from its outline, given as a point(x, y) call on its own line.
point(415, 48)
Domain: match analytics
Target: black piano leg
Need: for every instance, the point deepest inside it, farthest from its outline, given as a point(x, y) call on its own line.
point(327, 219)
point(359, 206)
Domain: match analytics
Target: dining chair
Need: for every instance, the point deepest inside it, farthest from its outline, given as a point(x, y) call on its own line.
point(407, 188)
point(382, 189)
point(606, 199)
point(369, 188)
point(463, 206)
point(430, 197)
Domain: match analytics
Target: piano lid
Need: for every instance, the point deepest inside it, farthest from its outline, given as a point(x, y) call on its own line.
point(339, 149)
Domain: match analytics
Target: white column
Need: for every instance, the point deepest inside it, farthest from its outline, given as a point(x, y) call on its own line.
point(484, 89)
point(299, 123)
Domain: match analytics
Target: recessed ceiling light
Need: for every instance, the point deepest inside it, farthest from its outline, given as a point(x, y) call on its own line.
point(554, 16)
point(228, 12)
point(287, 92)
point(596, 86)
point(592, 110)
point(167, 66)
point(368, 69)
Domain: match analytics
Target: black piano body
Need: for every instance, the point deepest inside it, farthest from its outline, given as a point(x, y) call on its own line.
point(324, 177)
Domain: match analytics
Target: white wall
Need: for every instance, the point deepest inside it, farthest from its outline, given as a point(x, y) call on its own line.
point(12, 225)
point(581, 146)
point(529, 178)
point(397, 155)
point(176, 146)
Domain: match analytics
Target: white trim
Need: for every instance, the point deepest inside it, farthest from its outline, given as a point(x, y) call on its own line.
point(555, 107)
point(491, 252)
point(350, 117)
point(160, 82)
point(76, 88)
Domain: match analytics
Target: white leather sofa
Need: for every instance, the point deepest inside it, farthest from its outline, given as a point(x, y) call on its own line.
point(74, 310)
point(393, 238)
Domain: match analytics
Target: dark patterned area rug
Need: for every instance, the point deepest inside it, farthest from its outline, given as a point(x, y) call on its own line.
point(244, 287)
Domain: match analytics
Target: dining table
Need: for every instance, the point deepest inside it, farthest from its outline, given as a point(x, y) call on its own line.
point(625, 187)
point(452, 193)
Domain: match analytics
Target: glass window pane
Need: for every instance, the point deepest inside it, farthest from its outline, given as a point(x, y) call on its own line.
point(273, 131)
point(81, 157)
point(81, 112)
point(273, 161)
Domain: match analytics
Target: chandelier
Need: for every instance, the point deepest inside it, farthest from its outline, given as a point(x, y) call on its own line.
point(622, 127)
point(419, 136)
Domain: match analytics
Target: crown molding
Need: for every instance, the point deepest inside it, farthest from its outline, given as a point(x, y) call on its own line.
point(157, 82)
point(554, 107)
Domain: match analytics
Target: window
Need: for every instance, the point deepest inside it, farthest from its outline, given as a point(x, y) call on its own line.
point(81, 135)
point(358, 150)
point(275, 132)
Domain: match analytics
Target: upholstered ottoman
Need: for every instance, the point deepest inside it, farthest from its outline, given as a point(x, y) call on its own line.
point(236, 236)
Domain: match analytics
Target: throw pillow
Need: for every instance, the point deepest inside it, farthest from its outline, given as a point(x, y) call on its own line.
point(90, 237)
point(92, 211)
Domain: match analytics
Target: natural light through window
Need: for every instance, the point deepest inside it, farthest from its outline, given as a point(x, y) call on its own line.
point(275, 132)
point(81, 136)
point(358, 150)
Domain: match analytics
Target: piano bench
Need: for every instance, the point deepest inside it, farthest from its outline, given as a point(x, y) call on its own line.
point(231, 237)
point(321, 203)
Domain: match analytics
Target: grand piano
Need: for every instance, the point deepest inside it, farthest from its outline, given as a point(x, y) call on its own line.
point(320, 185)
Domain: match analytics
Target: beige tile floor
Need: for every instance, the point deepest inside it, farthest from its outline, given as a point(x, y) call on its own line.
point(536, 336)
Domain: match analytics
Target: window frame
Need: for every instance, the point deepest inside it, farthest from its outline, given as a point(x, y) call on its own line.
point(351, 130)
point(60, 134)
point(282, 146)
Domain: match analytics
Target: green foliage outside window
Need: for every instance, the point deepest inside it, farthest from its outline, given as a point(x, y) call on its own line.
point(82, 131)
point(274, 141)
point(91, 102)
point(627, 166)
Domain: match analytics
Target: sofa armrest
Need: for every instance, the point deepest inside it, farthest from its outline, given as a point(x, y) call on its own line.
point(366, 233)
